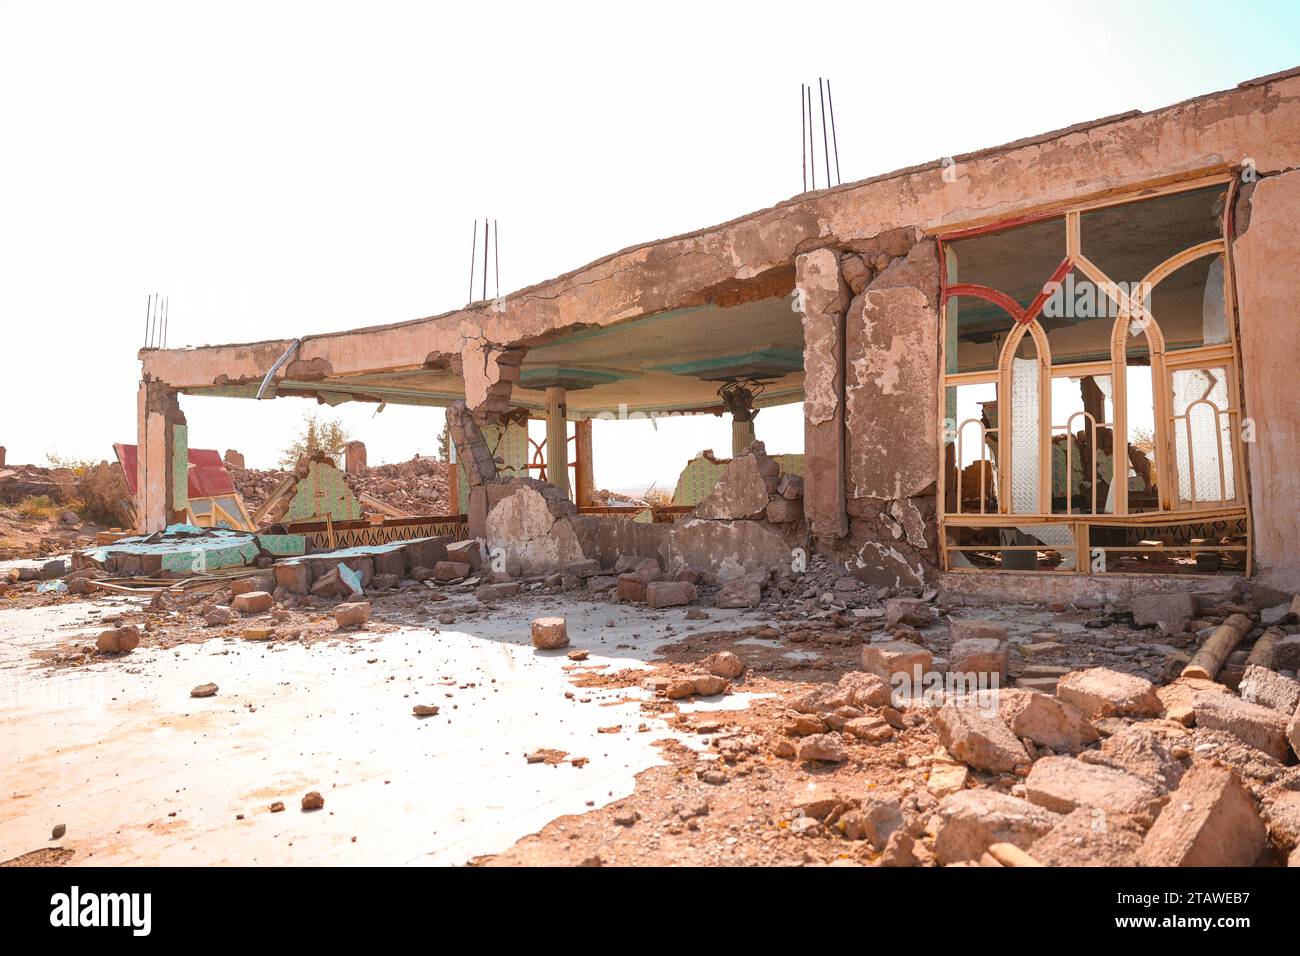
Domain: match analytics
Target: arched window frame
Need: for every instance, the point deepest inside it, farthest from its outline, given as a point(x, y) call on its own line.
point(1024, 320)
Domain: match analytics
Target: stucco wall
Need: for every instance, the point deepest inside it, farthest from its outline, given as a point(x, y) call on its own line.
point(1268, 298)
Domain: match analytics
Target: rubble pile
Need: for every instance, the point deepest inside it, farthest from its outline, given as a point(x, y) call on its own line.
point(416, 487)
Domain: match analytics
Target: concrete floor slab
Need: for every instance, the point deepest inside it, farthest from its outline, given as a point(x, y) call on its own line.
point(141, 773)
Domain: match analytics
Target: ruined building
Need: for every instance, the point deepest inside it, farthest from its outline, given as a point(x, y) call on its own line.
point(1061, 366)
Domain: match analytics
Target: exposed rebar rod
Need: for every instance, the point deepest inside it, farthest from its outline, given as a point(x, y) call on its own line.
point(167, 311)
point(826, 152)
point(473, 252)
point(830, 101)
point(496, 253)
point(148, 310)
point(803, 138)
point(812, 147)
point(485, 250)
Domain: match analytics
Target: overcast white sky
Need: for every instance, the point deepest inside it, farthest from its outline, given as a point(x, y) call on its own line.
point(284, 168)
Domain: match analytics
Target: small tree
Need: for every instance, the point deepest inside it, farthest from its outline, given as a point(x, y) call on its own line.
point(326, 436)
point(444, 442)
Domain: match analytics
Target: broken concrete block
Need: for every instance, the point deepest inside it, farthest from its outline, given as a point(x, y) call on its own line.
point(218, 616)
point(740, 492)
point(352, 614)
point(549, 633)
point(875, 820)
point(724, 664)
point(252, 602)
point(257, 633)
point(971, 821)
point(1280, 614)
point(784, 510)
point(1283, 818)
point(828, 748)
point(669, 593)
point(1087, 837)
point(427, 552)
point(1046, 721)
point(1209, 821)
point(466, 552)
point(740, 593)
point(985, 657)
point(1166, 610)
point(725, 550)
point(1260, 727)
point(1064, 784)
point(294, 577)
point(585, 568)
point(392, 563)
point(971, 628)
point(118, 640)
point(451, 570)
point(790, 487)
point(339, 581)
point(913, 612)
point(1178, 698)
point(631, 588)
point(862, 690)
point(1101, 692)
point(896, 657)
point(1142, 751)
point(498, 592)
point(707, 685)
point(1259, 685)
point(978, 738)
point(1286, 653)
point(204, 690)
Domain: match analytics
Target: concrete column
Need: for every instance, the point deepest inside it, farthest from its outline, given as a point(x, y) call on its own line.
point(557, 439)
point(354, 457)
point(742, 436)
point(584, 477)
point(825, 297)
point(162, 459)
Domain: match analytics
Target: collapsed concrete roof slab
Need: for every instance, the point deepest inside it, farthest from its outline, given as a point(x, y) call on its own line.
point(426, 360)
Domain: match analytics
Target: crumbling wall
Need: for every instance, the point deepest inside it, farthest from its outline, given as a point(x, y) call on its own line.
point(891, 368)
point(1267, 223)
point(529, 525)
point(749, 524)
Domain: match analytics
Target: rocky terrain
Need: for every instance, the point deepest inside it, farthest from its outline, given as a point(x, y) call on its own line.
point(877, 727)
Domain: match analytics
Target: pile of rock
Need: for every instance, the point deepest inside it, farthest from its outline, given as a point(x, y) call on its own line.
point(1099, 775)
point(417, 487)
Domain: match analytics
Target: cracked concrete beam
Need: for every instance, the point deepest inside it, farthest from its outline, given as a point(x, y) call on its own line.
point(1215, 132)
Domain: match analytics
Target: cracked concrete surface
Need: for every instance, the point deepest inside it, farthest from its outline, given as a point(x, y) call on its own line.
point(142, 773)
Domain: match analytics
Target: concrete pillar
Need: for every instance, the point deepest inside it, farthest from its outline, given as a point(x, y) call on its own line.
point(742, 436)
point(234, 459)
point(557, 439)
point(354, 457)
point(584, 478)
point(2, 456)
point(825, 299)
point(162, 459)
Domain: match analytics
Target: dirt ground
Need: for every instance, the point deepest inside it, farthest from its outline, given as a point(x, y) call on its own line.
point(727, 787)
